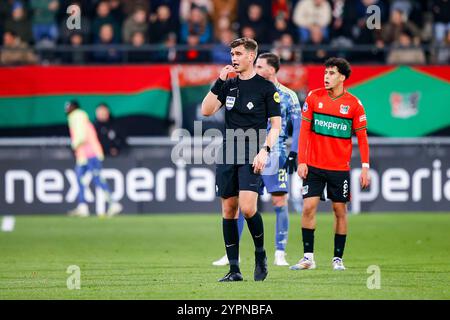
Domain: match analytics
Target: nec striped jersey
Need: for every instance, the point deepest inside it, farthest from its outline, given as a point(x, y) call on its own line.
point(326, 130)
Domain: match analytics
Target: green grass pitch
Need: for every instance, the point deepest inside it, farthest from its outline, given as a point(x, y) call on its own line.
point(169, 257)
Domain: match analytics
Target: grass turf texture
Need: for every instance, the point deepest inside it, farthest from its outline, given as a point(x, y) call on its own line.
point(169, 257)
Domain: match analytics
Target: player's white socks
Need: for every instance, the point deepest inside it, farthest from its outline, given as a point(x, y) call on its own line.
point(309, 255)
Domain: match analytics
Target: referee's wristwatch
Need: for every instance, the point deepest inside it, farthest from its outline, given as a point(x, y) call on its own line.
point(267, 148)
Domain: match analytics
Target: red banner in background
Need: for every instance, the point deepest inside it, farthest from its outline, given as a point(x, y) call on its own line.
point(197, 75)
point(28, 81)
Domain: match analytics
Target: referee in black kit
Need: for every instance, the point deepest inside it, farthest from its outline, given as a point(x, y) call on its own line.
point(249, 100)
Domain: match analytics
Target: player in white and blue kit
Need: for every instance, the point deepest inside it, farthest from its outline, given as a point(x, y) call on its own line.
point(275, 175)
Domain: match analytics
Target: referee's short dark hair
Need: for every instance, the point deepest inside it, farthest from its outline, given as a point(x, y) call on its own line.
point(248, 43)
point(341, 64)
point(272, 59)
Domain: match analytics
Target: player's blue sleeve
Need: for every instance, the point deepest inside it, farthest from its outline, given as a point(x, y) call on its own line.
point(295, 116)
point(295, 133)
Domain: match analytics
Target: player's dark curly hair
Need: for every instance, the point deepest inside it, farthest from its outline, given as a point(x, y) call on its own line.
point(341, 64)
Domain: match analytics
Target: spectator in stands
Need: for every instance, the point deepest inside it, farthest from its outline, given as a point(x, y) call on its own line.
point(85, 25)
point(223, 24)
point(186, 7)
point(396, 26)
point(198, 25)
point(221, 51)
point(282, 23)
point(161, 25)
point(404, 52)
point(169, 54)
point(112, 138)
point(19, 23)
point(223, 11)
point(5, 11)
point(129, 6)
point(441, 16)
point(192, 53)
point(106, 39)
point(284, 49)
point(137, 22)
point(44, 19)
point(412, 9)
point(281, 9)
point(443, 53)
point(362, 35)
point(15, 52)
point(244, 5)
point(117, 10)
point(248, 32)
point(316, 39)
point(87, 8)
point(280, 28)
point(255, 20)
point(104, 16)
point(174, 7)
point(136, 53)
point(75, 56)
point(344, 15)
point(308, 13)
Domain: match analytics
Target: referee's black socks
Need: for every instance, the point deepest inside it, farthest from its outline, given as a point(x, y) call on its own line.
point(256, 227)
point(231, 237)
point(308, 240)
point(339, 244)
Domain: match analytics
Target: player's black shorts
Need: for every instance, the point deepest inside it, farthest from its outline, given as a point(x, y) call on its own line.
point(337, 182)
point(232, 178)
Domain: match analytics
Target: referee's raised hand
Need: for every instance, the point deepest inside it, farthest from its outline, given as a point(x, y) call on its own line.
point(225, 71)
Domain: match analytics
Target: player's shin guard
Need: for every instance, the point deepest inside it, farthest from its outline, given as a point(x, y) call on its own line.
point(256, 227)
point(231, 238)
point(339, 245)
point(281, 228)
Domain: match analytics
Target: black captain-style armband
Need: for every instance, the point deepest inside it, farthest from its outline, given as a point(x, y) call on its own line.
point(217, 86)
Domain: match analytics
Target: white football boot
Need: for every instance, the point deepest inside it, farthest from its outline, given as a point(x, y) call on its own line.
point(82, 210)
point(306, 263)
point(280, 258)
point(223, 261)
point(114, 209)
point(338, 264)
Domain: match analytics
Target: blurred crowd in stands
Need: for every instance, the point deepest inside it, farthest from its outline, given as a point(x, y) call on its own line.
point(192, 31)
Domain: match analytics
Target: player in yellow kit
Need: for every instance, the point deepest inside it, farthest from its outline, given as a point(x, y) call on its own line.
point(89, 156)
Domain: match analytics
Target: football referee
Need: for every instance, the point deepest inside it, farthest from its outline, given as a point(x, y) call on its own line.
point(249, 101)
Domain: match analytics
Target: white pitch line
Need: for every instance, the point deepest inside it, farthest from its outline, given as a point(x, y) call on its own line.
point(8, 223)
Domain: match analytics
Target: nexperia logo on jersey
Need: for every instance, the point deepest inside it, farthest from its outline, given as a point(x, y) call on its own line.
point(332, 126)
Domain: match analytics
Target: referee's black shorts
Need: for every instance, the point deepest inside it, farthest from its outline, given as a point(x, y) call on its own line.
point(232, 178)
point(337, 183)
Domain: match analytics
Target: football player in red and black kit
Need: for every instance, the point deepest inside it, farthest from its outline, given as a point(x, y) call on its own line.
point(330, 116)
